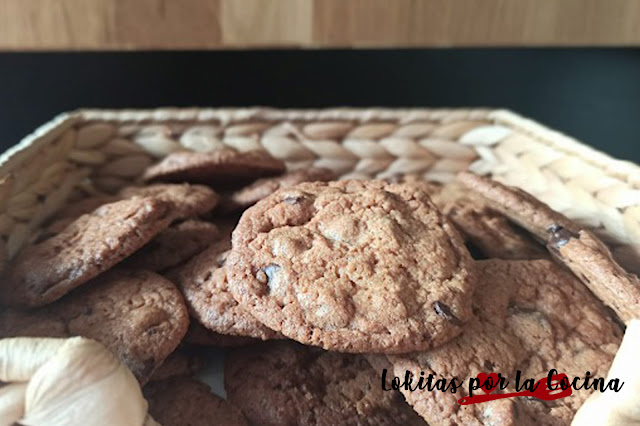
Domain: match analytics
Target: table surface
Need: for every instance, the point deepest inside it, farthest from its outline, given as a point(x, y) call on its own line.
point(216, 24)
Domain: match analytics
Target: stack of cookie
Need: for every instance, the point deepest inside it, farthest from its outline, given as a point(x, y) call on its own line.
point(319, 286)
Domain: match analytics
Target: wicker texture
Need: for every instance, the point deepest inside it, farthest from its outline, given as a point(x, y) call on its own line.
point(100, 151)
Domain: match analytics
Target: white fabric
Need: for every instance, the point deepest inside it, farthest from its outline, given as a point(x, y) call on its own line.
point(617, 408)
point(67, 382)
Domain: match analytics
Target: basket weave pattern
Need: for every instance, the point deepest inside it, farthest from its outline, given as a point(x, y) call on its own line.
point(88, 151)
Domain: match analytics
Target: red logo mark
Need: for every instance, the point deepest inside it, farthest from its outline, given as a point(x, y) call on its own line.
point(540, 390)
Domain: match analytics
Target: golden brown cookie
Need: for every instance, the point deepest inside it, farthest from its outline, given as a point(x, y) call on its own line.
point(138, 315)
point(189, 200)
point(353, 266)
point(203, 281)
point(174, 246)
point(261, 188)
point(92, 244)
point(578, 249)
point(284, 383)
point(222, 166)
point(185, 401)
point(532, 316)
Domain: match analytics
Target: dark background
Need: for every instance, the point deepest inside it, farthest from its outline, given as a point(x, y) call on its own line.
point(591, 94)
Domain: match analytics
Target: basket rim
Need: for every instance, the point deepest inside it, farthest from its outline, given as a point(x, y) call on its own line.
point(624, 170)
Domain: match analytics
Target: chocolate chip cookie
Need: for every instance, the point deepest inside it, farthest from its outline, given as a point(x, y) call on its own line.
point(203, 281)
point(138, 315)
point(93, 243)
point(578, 249)
point(174, 246)
point(353, 266)
point(284, 383)
point(186, 402)
point(261, 188)
point(222, 166)
point(530, 316)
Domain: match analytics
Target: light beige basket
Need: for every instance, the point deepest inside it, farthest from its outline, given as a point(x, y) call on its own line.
point(88, 151)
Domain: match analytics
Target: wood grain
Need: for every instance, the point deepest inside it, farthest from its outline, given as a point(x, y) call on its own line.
point(207, 24)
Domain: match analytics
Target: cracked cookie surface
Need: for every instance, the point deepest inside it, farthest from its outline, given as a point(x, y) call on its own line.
point(532, 316)
point(138, 315)
point(285, 383)
point(352, 266)
point(93, 243)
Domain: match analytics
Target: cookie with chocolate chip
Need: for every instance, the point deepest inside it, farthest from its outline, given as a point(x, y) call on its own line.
point(580, 250)
point(530, 316)
point(261, 188)
point(203, 281)
point(185, 401)
point(92, 244)
point(138, 315)
point(284, 383)
point(353, 266)
point(225, 166)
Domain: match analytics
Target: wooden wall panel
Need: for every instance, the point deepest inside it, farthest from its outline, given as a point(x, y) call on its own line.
point(214, 24)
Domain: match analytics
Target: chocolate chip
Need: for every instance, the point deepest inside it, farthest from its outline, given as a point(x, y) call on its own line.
point(267, 273)
point(294, 199)
point(262, 277)
point(560, 236)
point(445, 311)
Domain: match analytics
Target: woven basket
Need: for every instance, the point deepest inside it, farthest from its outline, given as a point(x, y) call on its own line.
point(91, 151)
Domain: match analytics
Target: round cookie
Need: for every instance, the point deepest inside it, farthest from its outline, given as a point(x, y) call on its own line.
point(185, 401)
point(262, 188)
point(531, 316)
point(222, 166)
point(353, 266)
point(95, 242)
point(174, 246)
point(203, 281)
point(484, 228)
point(138, 315)
point(284, 383)
point(580, 250)
point(189, 200)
